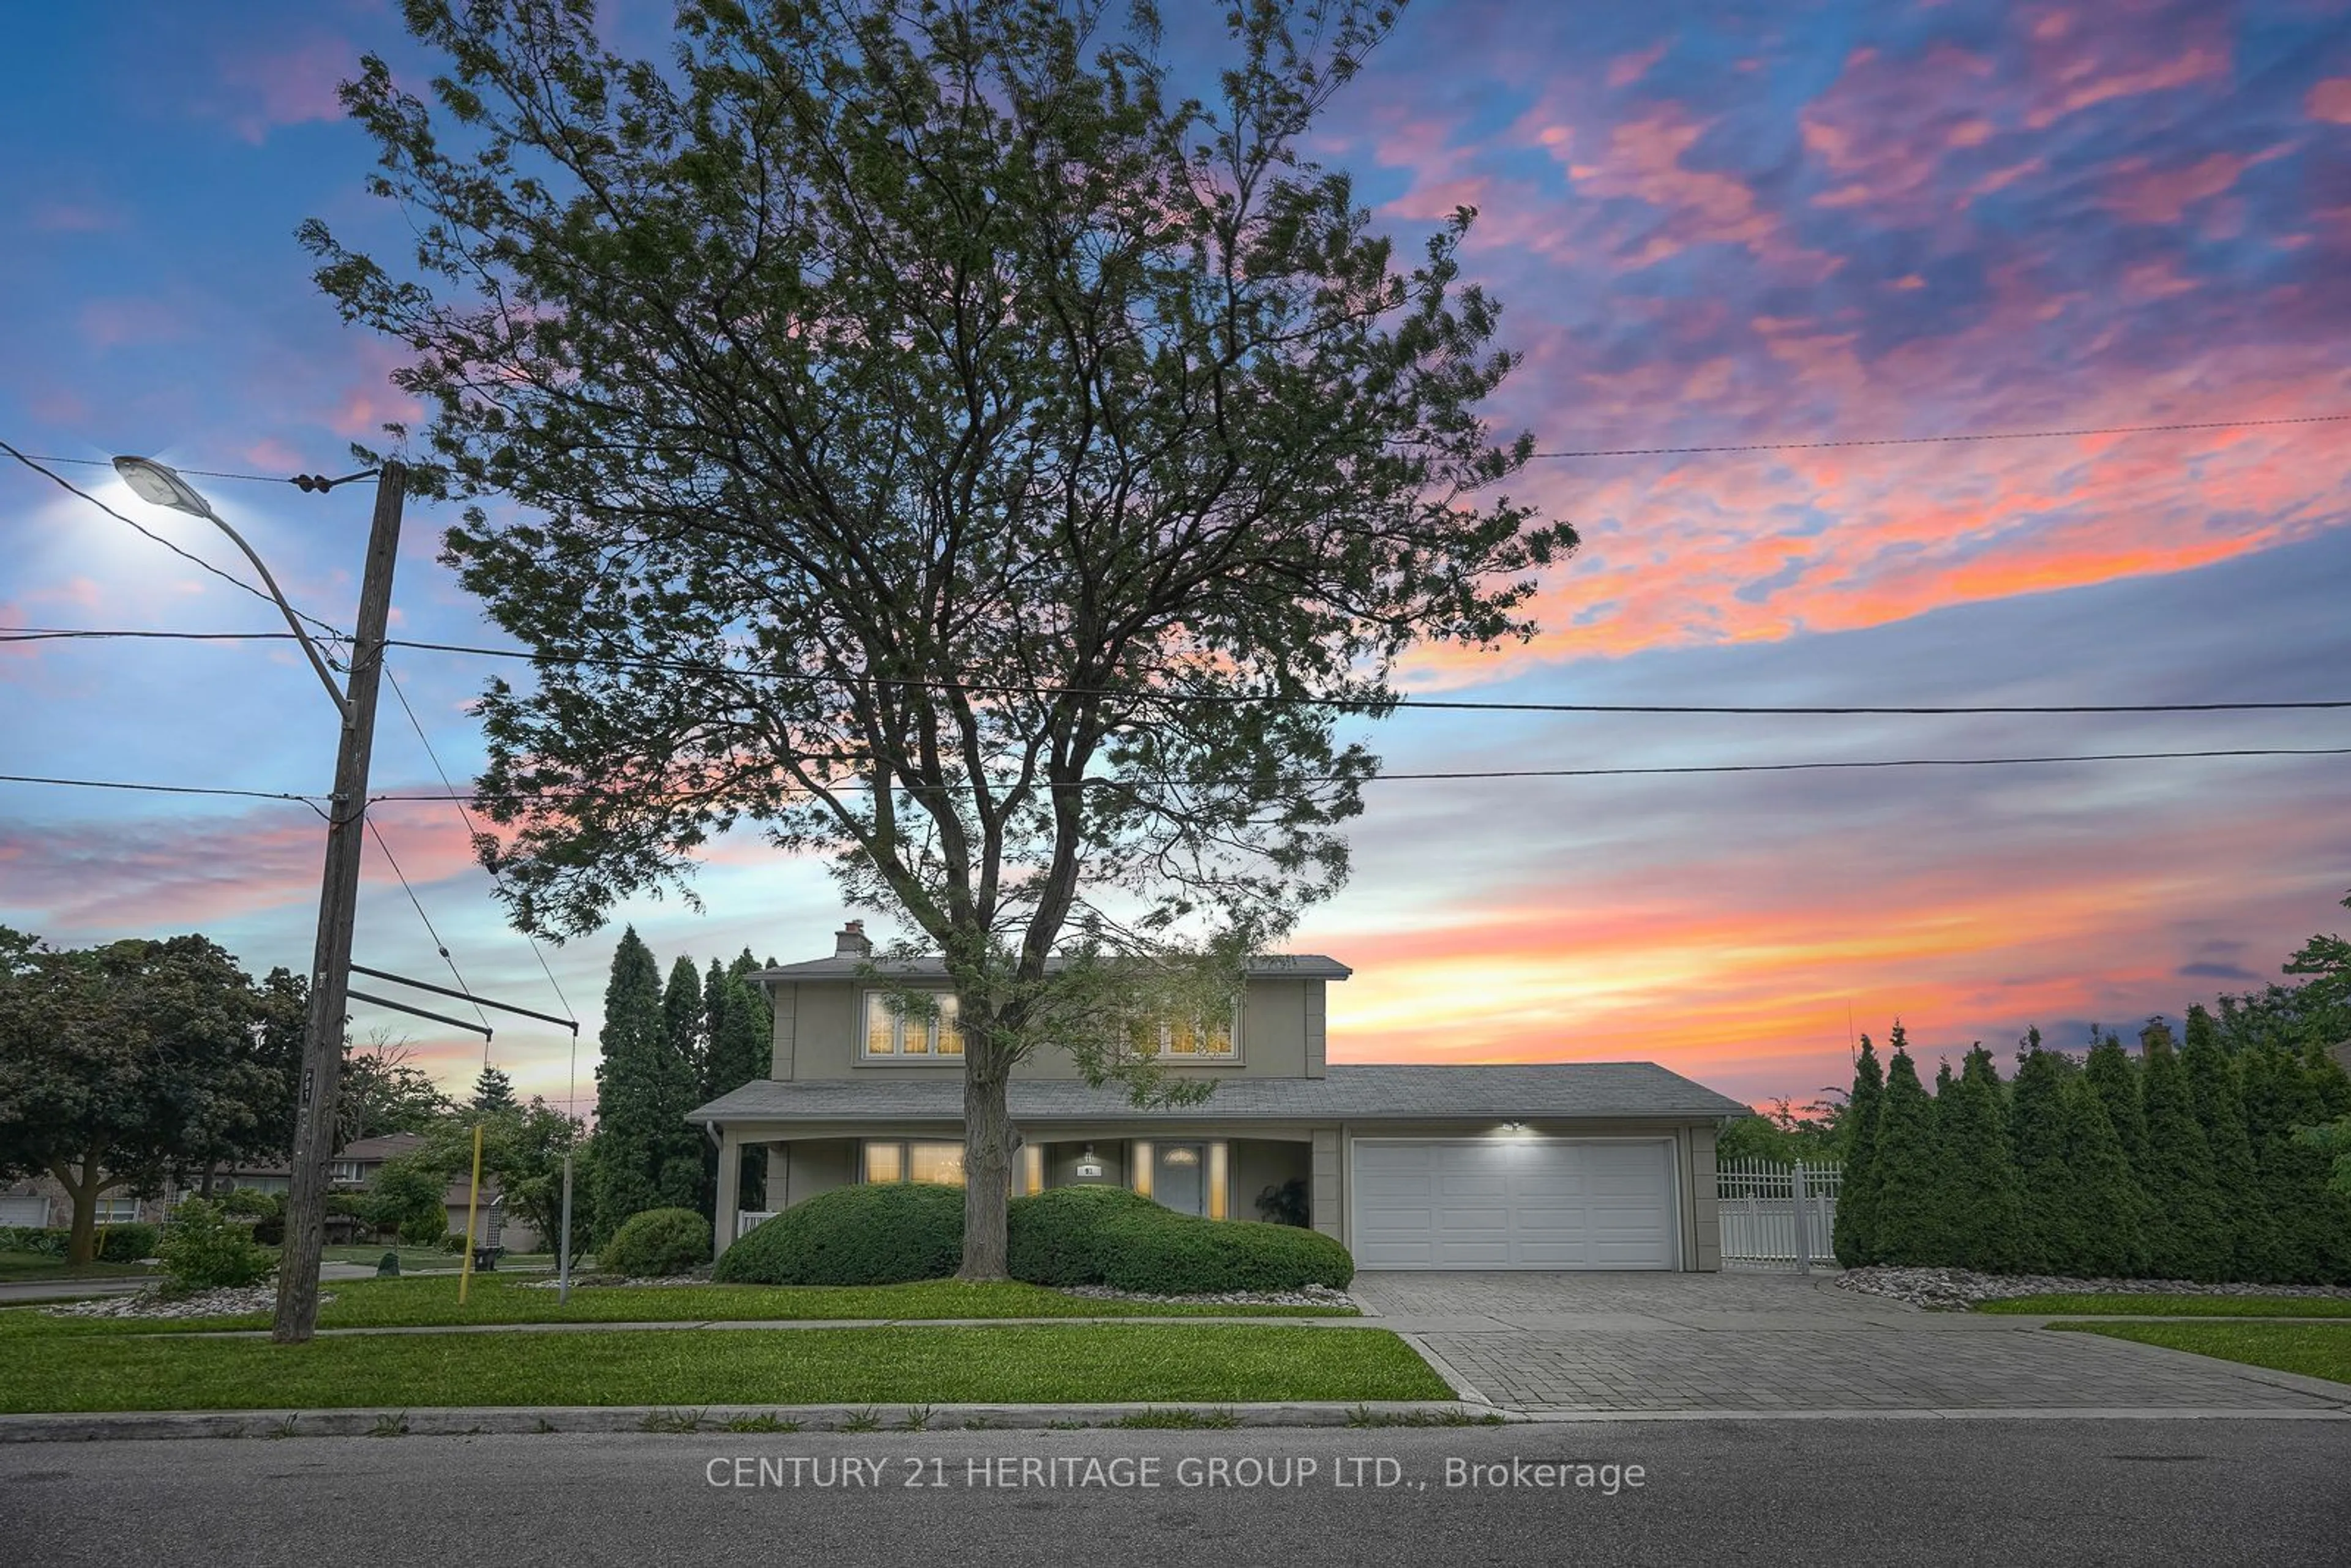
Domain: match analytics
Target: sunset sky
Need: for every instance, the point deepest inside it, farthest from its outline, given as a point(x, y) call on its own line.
point(1711, 225)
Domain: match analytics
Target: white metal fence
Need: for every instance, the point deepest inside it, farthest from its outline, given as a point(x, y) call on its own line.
point(746, 1218)
point(1777, 1216)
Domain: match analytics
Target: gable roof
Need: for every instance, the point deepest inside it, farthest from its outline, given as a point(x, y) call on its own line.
point(1350, 1092)
point(851, 967)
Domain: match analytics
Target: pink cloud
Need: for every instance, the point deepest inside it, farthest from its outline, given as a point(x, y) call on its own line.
point(110, 323)
point(76, 217)
point(293, 85)
point(1626, 69)
point(2074, 68)
point(2330, 100)
point(2147, 195)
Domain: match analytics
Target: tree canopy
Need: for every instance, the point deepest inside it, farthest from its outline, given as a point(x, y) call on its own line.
point(946, 448)
point(122, 1064)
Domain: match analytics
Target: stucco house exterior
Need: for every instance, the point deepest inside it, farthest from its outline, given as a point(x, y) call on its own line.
point(1550, 1166)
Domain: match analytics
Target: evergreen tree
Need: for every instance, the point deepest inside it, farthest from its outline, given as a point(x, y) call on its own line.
point(1906, 1215)
point(2106, 1231)
point(2114, 1077)
point(741, 1037)
point(1856, 1194)
point(2047, 1185)
point(494, 1091)
point(646, 1155)
point(2289, 1174)
point(1982, 1219)
point(2190, 1240)
point(681, 1017)
point(2217, 1097)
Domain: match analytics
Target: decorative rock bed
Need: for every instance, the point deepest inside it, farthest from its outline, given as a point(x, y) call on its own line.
point(1304, 1296)
point(231, 1300)
point(1956, 1290)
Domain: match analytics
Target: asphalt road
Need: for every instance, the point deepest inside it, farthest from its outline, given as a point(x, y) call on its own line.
point(1862, 1492)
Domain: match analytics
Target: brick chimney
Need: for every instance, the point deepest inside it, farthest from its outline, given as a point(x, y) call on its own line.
point(850, 941)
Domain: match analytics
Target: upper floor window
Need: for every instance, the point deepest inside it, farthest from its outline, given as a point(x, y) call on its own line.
point(1213, 1039)
point(892, 1035)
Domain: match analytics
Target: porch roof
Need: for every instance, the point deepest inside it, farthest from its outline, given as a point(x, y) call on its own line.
point(1354, 1092)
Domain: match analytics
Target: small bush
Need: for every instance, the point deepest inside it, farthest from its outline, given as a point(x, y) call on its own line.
point(426, 1229)
point(204, 1247)
point(1170, 1254)
point(658, 1241)
point(1050, 1237)
point(452, 1241)
point(127, 1242)
point(885, 1233)
point(41, 1240)
point(252, 1204)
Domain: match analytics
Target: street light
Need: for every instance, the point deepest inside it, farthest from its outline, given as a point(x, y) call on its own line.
point(322, 1045)
point(155, 482)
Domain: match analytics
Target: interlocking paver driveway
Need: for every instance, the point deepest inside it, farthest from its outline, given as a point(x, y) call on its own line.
point(1762, 1342)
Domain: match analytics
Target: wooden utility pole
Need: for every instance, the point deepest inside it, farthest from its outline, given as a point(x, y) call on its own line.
point(322, 1048)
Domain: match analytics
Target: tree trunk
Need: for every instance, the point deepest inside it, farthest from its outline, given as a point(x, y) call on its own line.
point(987, 1161)
point(81, 1238)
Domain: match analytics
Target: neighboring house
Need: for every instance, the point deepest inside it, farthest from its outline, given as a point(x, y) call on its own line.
point(1601, 1165)
point(354, 1166)
point(40, 1201)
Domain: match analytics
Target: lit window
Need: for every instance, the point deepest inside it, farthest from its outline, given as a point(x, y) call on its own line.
point(890, 1033)
point(936, 1162)
point(1196, 1039)
point(894, 1162)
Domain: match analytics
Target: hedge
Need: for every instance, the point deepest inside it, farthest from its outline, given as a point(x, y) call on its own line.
point(1171, 1254)
point(127, 1242)
point(658, 1241)
point(879, 1233)
point(1050, 1237)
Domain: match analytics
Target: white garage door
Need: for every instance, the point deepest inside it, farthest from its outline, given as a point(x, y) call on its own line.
point(1513, 1203)
point(32, 1212)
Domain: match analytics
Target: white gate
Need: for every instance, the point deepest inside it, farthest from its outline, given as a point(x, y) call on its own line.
point(1775, 1216)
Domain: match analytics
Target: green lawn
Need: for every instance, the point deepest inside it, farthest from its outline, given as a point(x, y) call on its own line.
point(2314, 1350)
point(2152, 1306)
point(18, 1267)
point(431, 1300)
point(1051, 1363)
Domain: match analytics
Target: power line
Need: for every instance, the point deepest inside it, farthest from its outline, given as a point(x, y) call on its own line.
point(860, 785)
point(1680, 450)
point(37, 633)
point(199, 473)
point(234, 582)
point(309, 801)
point(439, 946)
point(473, 831)
point(1935, 440)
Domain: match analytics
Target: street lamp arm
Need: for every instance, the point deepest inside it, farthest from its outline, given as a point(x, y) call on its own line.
point(318, 659)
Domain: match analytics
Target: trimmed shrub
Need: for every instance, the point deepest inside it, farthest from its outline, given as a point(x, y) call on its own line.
point(127, 1242)
point(1051, 1237)
point(452, 1241)
point(204, 1247)
point(879, 1233)
point(658, 1241)
point(1170, 1254)
point(425, 1229)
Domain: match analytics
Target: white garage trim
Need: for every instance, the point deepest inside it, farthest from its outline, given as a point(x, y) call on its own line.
point(1445, 1241)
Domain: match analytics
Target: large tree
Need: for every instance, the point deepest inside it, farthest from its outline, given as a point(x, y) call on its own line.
point(1908, 1213)
point(740, 1029)
point(384, 1091)
point(1983, 1220)
point(121, 1063)
point(943, 445)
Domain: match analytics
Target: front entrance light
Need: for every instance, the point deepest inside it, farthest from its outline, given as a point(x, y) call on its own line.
point(1090, 1165)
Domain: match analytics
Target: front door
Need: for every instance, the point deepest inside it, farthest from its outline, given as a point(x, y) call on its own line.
point(1181, 1181)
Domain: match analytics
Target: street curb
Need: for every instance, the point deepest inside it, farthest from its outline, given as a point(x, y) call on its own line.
point(1967, 1413)
point(881, 1420)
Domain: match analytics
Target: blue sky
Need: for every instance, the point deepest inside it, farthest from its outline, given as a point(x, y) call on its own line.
point(1709, 224)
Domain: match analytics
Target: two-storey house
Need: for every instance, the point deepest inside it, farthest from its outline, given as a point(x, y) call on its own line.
point(1585, 1165)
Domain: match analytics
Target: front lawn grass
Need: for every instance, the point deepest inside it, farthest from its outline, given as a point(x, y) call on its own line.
point(1045, 1363)
point(23, 1268)
point(2126, 1305)
point(2314, 1350)
point(431, 1302)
